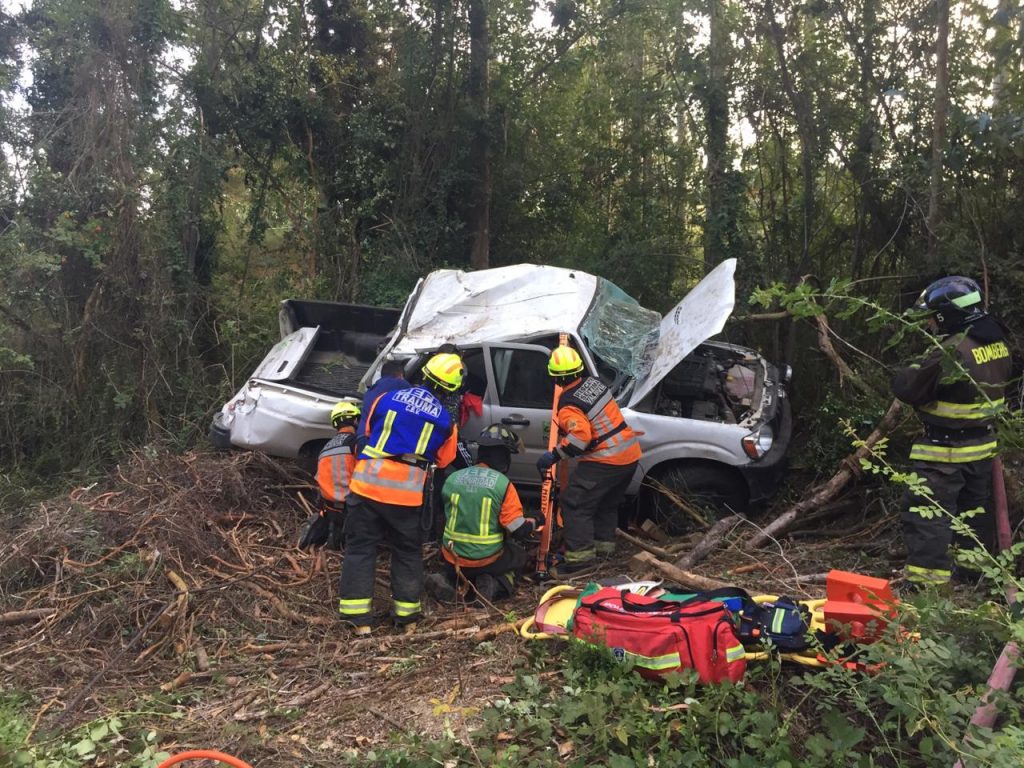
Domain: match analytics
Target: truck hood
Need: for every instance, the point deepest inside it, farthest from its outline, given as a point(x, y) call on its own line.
point(699, 316)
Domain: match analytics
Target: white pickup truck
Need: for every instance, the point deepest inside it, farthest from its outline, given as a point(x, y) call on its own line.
point(713, 418)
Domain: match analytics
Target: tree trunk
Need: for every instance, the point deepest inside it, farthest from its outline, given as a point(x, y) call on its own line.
point(938, 124)
point(480, 151)
point(716, 100)
point(801, 103)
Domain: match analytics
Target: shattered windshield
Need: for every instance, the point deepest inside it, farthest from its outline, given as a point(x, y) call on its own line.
point(621, 332)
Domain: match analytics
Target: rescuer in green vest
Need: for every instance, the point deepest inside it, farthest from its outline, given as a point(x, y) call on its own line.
point(481, 509)
point(957, 391)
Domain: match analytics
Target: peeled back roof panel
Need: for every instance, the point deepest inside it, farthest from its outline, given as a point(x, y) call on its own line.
point(494, 305)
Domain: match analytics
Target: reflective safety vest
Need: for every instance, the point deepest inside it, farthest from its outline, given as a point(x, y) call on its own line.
point(610, 440)
point(334, 467)
point(407, 423)
point(406, 429)
point(473, 499)
point(957, 410)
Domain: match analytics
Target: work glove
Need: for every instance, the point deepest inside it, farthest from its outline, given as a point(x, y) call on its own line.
point(526, 531)
point(546, 461)
point(318, 529)
point(536, 515)
point(336, 534)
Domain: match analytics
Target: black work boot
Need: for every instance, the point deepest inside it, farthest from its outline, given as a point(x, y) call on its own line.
point(487, 587)
point(440, 587)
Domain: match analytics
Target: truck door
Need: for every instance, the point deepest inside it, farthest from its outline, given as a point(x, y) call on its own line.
point(519, 393)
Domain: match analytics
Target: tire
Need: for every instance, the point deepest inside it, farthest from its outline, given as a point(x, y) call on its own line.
point(689, 497)
point(219, 434)
point(309, 454)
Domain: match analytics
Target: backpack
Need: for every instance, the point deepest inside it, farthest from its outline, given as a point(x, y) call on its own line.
point(784, 622)
point(661, 636)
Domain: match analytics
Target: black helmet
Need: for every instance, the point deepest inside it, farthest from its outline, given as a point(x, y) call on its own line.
point(497, 436)
point(954, 300)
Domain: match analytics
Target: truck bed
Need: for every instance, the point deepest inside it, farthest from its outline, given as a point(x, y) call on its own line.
point(349, 340)
point(331, 373)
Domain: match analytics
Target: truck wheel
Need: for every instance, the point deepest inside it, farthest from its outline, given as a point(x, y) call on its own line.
point(219, 433)
point(690, 497)
point(308, 455)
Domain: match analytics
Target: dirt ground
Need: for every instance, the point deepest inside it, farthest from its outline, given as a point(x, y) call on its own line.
point(175, 588)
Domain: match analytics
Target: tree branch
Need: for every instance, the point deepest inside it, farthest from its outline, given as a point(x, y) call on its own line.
point(849, 468)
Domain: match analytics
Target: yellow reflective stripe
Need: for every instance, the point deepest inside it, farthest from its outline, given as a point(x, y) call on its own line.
point(485, 517)
point(921, 575)
point(425, 433)
point(668, 661)
point(474, 538)
point(580, 555)
point(354, 607)
point(406, 609)
point(735, 653)
point(948, 410)
point(777, 617)
point(967, 300)
point(377, 449)
point(946, 454)
point(453, 505)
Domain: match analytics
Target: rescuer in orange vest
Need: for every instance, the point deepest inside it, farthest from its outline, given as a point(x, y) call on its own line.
point(333, 472)
point(408, 432)
point(591, 430)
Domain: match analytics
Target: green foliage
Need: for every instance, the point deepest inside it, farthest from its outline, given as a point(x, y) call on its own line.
point(912, 711)
point(113, 739)
point(825, 448)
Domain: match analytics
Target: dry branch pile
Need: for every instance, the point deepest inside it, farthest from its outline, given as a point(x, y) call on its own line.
point(177, 584)
point(181, 577)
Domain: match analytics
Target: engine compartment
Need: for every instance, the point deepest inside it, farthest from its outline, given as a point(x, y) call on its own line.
point(711, 384)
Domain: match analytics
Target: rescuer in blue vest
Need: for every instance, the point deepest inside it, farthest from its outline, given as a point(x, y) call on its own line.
point(407, 432)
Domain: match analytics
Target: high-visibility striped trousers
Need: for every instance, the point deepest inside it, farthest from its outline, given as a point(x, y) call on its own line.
point(370, 523)
point(928, 535)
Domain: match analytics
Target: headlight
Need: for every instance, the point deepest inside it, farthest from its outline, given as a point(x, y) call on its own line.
point(758, 443)
point(787, 374)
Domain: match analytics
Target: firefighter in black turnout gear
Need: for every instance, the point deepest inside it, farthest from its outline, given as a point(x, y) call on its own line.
point(957, 391)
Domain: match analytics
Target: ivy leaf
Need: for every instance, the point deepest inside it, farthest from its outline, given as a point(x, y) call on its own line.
point(84, 747)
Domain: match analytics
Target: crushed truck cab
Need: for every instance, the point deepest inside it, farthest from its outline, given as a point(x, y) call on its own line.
point(713, 418)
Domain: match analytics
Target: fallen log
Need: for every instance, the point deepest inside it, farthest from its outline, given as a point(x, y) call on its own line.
point(678, 575)
point(20, 617)
point(849, 468)
point(184, 678)
point(489, 633)
point(711, 539)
